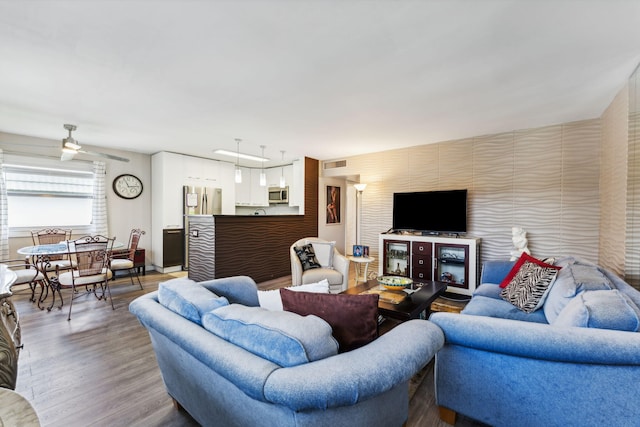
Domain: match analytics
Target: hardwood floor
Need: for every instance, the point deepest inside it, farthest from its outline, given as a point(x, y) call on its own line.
point(99, 368)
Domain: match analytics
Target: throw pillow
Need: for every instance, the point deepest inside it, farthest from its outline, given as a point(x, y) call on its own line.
point(284, 338)
point(606, 309)
point(188, 298)
point(353, 318)
point(516, 267)
point(530, 285)
point(307, 257)
point(271, 299)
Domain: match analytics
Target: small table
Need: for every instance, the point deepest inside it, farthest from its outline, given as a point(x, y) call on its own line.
point(411, 306)
point(361, 260)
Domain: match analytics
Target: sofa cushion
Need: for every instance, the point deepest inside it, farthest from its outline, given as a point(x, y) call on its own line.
point(188, 298)
point(571, 280)
point(353, 318)
point(284, 338)
point(307, 257)
point(528, 288)
point(334, 277)
point(271, 299)
point(488, 290)
point(324, 253)
point(606, 309)
point(481, 305)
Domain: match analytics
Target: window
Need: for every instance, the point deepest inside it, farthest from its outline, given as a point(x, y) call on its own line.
point(44, 196)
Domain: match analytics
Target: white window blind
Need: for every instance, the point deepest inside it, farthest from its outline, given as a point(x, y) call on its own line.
point(47, 196)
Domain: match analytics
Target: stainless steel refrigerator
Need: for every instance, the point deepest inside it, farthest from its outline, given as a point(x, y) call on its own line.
point(198, 201)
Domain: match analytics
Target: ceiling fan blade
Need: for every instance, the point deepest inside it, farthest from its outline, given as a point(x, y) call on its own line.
point(67, 155)
point(105, 155)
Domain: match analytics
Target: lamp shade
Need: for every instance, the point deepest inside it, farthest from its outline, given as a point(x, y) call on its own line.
point(360, 187)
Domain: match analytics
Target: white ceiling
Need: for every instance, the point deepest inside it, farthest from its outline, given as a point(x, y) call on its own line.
point(325, 79)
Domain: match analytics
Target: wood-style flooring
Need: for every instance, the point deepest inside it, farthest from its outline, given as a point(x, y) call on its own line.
point(99, 369)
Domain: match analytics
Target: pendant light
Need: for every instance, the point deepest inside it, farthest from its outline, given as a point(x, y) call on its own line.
point(263, 176)
point(238, 171)
point(282, 183)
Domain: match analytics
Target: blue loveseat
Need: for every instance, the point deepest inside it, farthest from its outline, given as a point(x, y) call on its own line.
point(504, 367)
point(228, 362)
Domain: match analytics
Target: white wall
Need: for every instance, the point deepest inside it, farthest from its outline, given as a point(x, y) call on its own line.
point(333, 232)
point(123, 214)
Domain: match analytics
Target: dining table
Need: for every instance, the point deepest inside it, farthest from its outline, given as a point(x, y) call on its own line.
point(41, 257)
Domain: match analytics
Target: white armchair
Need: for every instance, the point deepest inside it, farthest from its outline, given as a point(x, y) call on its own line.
point(333, 265)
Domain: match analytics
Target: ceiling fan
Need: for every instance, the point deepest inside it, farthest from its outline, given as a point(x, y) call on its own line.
point(71, 147)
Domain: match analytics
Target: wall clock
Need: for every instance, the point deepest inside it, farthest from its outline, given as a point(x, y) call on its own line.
point(127, 186)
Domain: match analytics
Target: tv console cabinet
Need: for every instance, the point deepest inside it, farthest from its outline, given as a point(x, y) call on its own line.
point(455, 260)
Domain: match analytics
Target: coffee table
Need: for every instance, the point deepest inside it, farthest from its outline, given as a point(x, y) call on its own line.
point(410, 306)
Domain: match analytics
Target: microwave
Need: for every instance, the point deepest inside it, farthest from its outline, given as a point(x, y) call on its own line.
point(278, 195)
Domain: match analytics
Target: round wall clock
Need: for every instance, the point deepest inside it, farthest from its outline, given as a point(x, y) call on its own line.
point(127, 186)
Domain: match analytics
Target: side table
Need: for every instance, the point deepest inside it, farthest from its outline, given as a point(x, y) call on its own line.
point(359, 260)
point(448, 304)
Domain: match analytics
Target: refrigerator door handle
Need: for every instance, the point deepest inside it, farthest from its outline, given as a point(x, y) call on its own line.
point(205, 207)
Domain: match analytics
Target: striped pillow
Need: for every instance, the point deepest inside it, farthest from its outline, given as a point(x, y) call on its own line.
point(528, 288)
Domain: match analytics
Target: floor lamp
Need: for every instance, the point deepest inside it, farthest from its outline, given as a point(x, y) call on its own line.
point(359, 188)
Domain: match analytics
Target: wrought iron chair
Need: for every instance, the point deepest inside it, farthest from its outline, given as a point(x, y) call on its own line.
point(91, 257)
point(50, 236)
point(124, 259)
point(26, 273)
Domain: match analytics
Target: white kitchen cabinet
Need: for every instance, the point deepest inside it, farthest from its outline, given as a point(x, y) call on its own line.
point(249, 192)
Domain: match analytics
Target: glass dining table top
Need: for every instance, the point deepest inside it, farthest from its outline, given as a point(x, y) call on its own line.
point(54, 249)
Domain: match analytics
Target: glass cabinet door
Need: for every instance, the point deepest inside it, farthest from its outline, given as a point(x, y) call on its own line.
point(452, 264)
point(396, 256)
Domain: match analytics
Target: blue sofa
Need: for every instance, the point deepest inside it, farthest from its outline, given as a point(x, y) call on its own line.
point(504, 367)
point(229, 377)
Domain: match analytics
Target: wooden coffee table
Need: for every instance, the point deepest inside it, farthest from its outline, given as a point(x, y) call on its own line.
point(410, 306)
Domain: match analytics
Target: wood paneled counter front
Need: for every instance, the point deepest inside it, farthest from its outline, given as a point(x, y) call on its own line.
point(256, 246)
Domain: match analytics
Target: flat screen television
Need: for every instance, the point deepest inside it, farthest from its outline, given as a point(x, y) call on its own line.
point(431, 211)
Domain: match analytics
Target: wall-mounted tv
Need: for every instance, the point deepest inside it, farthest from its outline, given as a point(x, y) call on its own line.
point(431, 211)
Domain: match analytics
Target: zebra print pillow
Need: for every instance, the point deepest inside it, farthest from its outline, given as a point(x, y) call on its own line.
point(528, 288)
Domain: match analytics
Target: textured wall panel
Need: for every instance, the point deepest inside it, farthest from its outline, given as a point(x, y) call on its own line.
point(632, 249)
point(545, 180)
point(613, 184)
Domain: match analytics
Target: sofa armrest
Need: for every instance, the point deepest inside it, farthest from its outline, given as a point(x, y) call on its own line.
point(540, 341)
point(245, 370)
point(357, 375)
point(237, 289)
point(495, 271)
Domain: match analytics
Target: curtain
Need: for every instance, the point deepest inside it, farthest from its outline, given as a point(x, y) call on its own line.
point(4, 218)
point(99, 221)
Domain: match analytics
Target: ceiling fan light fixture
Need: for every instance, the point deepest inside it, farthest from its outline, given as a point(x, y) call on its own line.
point(70, 143)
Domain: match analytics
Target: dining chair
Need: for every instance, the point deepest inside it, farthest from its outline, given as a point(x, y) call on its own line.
point(125, 259)
point(91, 257)
point(50, 236)
point(26, 273)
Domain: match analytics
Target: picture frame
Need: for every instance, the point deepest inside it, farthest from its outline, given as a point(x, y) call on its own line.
point(333, 205)
point(357, 250)
point(365, 251)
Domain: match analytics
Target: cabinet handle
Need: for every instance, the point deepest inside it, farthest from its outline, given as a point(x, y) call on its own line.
point(421, 275)
point(420, 261)
point(421, 248)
